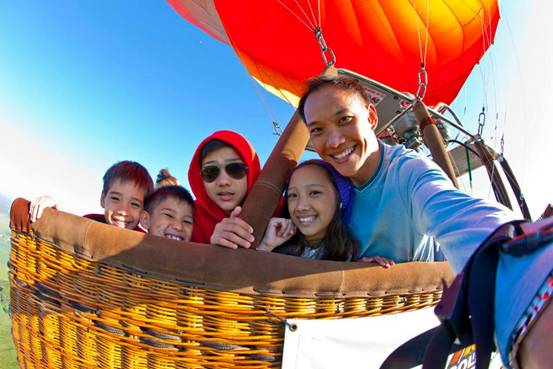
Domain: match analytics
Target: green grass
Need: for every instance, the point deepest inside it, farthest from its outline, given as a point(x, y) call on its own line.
point(8, 359)
point(4, 256)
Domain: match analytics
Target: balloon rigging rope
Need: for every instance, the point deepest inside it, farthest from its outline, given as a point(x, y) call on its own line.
point(319, 11)
point(488, 77)
point(427, 31)
point(488, 35)
point(418, 28)
point(484, 86)
point(521, 91)
point(264, 103)
point(422, 52)
point(307, 22)
point(499, 134)
point(313, 14)
point(311, 21)
point(481, 66)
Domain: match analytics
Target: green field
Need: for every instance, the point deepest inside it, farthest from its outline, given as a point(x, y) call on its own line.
point(8, 358)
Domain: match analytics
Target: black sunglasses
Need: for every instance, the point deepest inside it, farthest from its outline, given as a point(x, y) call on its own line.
point(236, 170)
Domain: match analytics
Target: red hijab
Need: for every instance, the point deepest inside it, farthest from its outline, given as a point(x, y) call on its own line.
point(206, 213)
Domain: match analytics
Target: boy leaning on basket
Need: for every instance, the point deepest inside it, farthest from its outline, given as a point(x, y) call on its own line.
point(126, 186)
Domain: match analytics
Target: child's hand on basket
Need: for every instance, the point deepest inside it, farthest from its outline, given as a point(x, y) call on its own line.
point(38, 205)
point(278, 231)
point(233, 232)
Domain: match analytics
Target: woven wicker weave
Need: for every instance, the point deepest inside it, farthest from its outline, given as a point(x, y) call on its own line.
point(71, 310)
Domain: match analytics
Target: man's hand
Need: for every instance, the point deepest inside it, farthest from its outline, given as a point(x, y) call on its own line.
point(38, 205)
point(278, 231)
point(382, 261)
point(19, 216)
point(233, 232)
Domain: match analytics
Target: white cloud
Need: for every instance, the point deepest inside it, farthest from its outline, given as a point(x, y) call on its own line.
point(31, 167)
point(529, 97)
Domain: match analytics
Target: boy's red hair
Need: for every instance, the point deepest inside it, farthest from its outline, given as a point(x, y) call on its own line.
point(131, 171)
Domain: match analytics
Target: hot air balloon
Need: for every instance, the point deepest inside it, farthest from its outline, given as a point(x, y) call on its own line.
point(403, 50)
point(284, 42)
point(87, 295)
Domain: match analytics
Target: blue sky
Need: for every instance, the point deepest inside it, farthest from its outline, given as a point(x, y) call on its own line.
point(84, 84)
point(98, 73)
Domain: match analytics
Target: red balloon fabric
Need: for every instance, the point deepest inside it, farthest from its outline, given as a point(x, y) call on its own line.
point(386, 40)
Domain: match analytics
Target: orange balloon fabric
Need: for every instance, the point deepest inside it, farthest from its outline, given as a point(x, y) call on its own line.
point(381, 39)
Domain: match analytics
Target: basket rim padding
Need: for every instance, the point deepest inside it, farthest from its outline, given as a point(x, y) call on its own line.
point(242, 270)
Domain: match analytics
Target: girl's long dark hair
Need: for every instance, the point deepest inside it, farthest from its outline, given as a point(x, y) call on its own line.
point(339, 243)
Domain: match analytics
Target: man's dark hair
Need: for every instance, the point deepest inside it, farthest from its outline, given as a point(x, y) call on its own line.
point(177, 192)
point(128, 171)
point(341, 82)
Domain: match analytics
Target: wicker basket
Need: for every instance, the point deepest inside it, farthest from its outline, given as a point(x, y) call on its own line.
point(88, 295)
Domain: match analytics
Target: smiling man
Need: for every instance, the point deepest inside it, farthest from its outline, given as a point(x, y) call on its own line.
point(404, 203)
point(393, 185)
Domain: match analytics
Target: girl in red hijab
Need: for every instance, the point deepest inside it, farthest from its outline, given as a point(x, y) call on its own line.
point(223, 170)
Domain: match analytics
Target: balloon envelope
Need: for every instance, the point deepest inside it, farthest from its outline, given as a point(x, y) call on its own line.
point(384, 40)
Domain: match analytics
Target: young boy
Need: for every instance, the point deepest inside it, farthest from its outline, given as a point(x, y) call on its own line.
point(168, 212)
point(126, 185)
